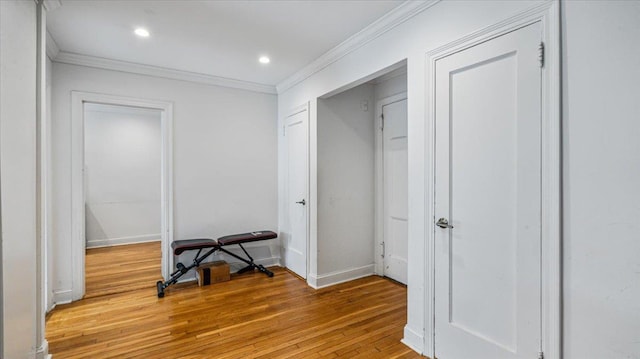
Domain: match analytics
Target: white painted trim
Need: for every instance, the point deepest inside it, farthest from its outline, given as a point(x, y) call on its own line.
point(121, 110)
point(412, 339)
point(235, 266)
point(378, 230)
point(52, 47)
point(552, 186)
point(371, 77)
point(337, 277)
point(62, 297)
point(395, 17)
point(51, 5)
point(109, 242)
point(43, 350)
point(156, 71)
point(402, 71)
point(547, 14)
point(78, 242)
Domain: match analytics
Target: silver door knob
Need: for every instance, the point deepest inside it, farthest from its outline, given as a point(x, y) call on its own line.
point(443, 223)
point(303, 202)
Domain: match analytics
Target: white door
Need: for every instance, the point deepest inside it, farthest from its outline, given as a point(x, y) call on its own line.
point(395, 182)
point(487, 186)
point(295, 246)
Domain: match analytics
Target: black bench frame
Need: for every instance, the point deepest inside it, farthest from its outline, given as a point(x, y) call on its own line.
point(214, 247)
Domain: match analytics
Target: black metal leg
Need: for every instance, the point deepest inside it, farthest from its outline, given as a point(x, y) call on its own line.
point(182, 270)
point(250, 263)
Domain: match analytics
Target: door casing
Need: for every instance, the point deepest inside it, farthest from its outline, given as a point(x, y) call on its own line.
point(289, 201)
point(78, 242)
point(548, 15)
point(379, 180)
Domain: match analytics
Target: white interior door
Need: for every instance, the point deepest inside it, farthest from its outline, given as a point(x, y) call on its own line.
point(295, 246)
point(395, 182)
point(488, 187)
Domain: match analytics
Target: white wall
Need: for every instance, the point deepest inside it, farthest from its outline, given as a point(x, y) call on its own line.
point(19, 300)
point(602, 179)
point(442, 23)
point(601, 77)
point(224, 157)
point(390, 84)
point(122, 174)
point(346, 146)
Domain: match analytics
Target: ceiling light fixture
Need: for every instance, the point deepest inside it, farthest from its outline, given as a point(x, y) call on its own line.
point(264, 60)
point(142, 32)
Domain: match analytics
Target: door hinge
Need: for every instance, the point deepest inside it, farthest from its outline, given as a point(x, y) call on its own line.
point(541, 54)
point(382, 122)
point(540, 355)
point(383, 249)
point(284, 130)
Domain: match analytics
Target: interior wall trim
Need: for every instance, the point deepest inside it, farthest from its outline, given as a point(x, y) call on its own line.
point(51, 5)
point(52, 47)
point(547, 13)
point(156, 71)
point(387, 22)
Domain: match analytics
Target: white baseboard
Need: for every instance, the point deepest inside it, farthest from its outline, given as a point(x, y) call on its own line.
point(43, 350)
point(318, 281)
point(413, 340)
point(51, 307)
point(96, 243)
point(234, 266)
point(62, 296)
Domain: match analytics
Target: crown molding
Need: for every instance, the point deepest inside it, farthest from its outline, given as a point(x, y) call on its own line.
point(395, 17)
point(52, 47)
point(140, 69)
point(51, 5)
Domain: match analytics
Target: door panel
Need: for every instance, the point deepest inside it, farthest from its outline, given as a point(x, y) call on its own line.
point(487, 280)
point(395, 182)
point(295, 248)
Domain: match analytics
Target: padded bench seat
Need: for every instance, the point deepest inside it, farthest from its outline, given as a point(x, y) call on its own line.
point(246, 237)
point(213, 246)
point(190, 244)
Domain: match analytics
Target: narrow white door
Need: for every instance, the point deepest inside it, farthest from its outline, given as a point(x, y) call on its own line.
point(295, 246)
point(395, 182)
point(487, 187)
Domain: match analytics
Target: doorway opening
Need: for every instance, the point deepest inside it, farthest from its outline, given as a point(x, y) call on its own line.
point(362, 180)
point(122, 176)
point(121, 192)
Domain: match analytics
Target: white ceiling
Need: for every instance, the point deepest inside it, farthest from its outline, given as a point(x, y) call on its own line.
point(216, 38)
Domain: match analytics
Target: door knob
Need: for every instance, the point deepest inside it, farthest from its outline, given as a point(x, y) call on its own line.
point(303, 202)
point(443, 223)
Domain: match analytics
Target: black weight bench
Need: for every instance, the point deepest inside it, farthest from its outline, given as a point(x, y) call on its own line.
point(212, 246)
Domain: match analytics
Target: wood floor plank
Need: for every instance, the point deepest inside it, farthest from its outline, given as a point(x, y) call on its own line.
point(251, 316)
point(108, 270)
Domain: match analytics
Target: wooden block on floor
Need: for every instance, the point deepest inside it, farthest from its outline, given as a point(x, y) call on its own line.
point(213, 272)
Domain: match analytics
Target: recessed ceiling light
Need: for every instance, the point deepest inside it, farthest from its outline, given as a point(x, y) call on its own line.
point(142, 32)
point(264, 60)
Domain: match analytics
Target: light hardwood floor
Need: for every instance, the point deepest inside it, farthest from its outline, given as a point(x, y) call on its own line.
point(110, 270)
point(251, 316)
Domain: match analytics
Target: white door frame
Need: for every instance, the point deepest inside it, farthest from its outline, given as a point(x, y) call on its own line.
point(548, 15)
point(294, 111)
point(78, 241)
point(379, 180)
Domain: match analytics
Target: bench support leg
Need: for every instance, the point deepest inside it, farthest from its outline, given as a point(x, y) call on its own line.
point(181, 270)
point(250, 263)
